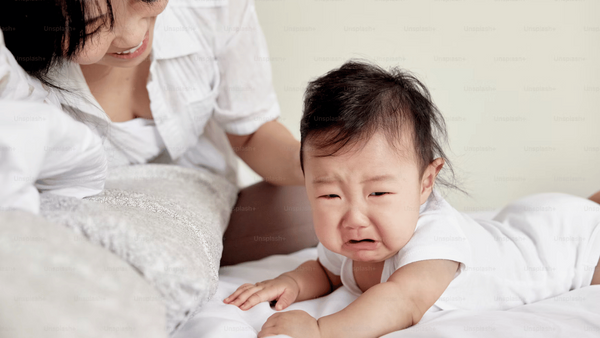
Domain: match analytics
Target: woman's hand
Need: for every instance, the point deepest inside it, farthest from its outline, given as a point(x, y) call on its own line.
point(296, 323)
point(284, 289)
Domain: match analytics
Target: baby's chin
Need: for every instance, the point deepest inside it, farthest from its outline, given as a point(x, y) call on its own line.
point(367, 256)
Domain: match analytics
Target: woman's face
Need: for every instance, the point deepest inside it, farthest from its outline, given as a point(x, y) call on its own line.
point(132, 31)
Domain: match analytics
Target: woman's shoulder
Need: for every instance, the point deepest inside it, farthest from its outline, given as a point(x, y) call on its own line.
point(216, 19)
point(223, 11)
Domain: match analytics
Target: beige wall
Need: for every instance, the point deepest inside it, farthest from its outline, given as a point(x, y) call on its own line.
point(518, 81)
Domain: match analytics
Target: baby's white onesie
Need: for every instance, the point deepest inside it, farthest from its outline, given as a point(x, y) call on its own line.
point(536, 247)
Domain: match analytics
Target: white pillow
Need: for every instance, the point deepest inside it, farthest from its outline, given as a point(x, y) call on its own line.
point(56, 283)
point(164, 220)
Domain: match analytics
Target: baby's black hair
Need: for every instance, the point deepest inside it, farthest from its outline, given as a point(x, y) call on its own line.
point(348, 105)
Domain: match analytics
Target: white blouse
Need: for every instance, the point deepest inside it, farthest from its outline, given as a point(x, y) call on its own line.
point(41, 147)
point(209, 74)
point(140, 139)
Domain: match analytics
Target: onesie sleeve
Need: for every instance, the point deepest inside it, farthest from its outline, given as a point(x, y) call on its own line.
point(438, 235)
point(330, 260)
point(246, 97)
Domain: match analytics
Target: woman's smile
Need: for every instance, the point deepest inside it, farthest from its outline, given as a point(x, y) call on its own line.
point(134, 52)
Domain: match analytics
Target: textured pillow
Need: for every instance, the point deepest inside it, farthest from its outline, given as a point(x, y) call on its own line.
point(166, 221)
point(55, 283)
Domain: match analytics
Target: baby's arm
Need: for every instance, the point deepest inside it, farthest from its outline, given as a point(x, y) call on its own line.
point(394, 305)
point(310, 280)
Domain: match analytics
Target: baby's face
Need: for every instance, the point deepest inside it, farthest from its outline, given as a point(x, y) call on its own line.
point(365, 201)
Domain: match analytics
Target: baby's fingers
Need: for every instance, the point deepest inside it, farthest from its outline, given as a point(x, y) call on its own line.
point(285, 300)
point(247, 293)
point(238, 292)
point(260, 296)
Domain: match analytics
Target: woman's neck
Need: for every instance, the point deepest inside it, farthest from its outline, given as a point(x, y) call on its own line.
point(121, 92)
point(100, 74)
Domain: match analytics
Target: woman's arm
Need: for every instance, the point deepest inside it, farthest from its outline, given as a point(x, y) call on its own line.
point(271, 151)
point(43, 148)
point(394, 305)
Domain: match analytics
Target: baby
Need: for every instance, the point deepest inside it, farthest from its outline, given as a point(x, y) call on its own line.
point(371, 159)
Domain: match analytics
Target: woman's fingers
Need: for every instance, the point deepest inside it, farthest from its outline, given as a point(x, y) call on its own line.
point(238, 292)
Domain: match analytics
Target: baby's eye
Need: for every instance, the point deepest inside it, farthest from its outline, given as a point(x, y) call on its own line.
point(378, 193)
point(330, 196)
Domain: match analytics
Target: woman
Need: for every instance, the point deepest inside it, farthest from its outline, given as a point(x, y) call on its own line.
point(181, 82)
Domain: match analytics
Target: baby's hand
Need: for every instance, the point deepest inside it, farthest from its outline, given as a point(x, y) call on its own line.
point(284, 289)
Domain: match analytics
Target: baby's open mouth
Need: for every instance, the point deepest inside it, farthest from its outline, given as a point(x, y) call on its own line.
point(352, 241)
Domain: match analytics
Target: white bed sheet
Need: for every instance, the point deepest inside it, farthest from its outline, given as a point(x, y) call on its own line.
point(574, 314)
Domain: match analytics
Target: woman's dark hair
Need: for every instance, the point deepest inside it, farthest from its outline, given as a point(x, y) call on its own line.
point(43, 33)
point(348, 105)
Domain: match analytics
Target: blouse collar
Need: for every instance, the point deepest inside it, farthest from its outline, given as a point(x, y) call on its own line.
point(172, 38)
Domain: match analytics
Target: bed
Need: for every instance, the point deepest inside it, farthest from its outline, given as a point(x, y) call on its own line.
point(576, 313)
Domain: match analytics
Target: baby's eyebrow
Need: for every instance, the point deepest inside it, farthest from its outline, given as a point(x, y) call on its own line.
point(325, 180)
point(376, 178)
point(379, 178)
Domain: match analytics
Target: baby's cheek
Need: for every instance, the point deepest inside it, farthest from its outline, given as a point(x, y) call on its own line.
point(326, 232)
point(398, 238)
point(321, 230)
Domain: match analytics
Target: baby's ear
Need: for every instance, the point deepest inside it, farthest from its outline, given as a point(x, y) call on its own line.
point(429, 177)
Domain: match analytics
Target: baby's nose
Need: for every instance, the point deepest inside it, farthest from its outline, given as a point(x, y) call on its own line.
point(354, 218)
